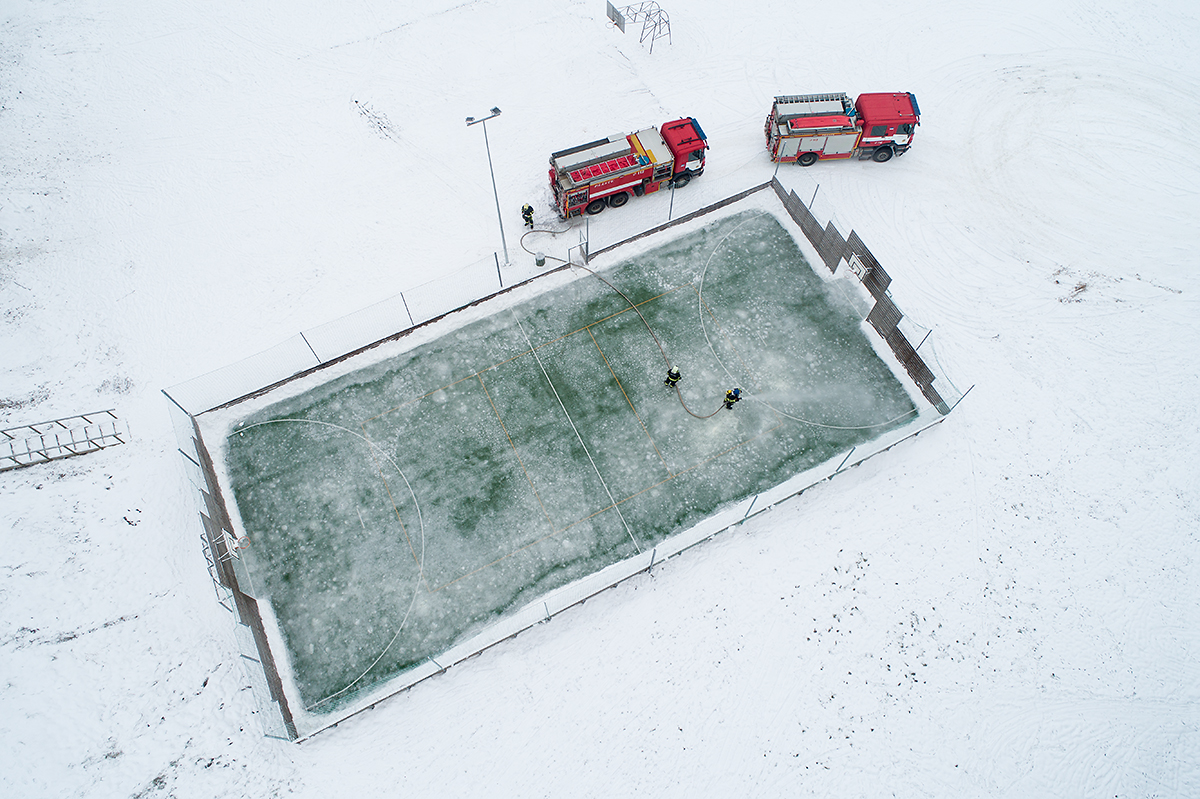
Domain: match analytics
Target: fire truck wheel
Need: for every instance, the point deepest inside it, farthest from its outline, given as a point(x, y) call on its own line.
point(882, 154)
point(618, 199)
point(683, 180)
point(807, 159)
point(595, 207)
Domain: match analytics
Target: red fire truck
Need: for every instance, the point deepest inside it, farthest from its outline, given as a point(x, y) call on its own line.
point(805, 128)
point(603, 173)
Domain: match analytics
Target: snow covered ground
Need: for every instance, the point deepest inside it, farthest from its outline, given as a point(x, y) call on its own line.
point(1003, 606)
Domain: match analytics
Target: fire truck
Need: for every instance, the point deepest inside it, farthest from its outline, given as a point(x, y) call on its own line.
point(806, 128)
point(604, 173)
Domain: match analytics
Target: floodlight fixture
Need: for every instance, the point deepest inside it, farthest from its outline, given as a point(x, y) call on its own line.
point(495, 112)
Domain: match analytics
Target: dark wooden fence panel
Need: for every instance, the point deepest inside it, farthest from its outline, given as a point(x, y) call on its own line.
point(884, 316)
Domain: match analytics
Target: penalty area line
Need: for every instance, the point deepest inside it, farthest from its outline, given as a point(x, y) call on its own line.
point(586, 451)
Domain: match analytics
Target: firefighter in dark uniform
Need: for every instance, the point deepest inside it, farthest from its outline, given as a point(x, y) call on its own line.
point(527, 215)
point(732, 396)
point(673, 376)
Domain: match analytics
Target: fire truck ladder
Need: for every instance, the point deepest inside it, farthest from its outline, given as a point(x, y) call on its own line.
point(812, 105)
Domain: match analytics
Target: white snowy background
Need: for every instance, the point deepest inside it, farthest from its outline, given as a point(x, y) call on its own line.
point(1004, 606)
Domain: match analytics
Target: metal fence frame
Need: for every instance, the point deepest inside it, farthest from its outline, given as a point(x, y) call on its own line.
point(228, 573)
point(61, 438)
point(884, 316)
point(316, 349)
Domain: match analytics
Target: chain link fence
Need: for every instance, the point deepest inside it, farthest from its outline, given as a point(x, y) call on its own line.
point(339, 339)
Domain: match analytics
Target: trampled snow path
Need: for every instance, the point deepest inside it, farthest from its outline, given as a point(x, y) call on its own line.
point(1001, 607)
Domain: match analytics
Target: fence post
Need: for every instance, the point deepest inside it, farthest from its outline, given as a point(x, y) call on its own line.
point(843, 463)
point(189, 457)
point(406, 310)
point(960, 399)
point(310, 348)
point(176, 404)
point(751, 507)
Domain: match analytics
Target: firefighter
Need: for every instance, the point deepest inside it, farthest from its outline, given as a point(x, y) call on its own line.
point(732, 396)
point(527, 215)
point(673, 376)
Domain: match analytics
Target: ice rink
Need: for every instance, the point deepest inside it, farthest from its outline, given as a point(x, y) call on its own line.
point(402, 506)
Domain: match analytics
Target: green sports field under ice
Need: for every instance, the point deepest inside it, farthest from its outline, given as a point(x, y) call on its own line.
point(398, 509)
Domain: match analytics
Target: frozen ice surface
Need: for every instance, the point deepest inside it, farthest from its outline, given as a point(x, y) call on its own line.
point(400, 508)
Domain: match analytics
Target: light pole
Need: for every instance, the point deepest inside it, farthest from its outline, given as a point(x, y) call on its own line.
point(473, 121)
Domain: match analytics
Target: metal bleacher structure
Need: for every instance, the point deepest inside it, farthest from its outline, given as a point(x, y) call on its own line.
point(655, 22)
point(60, 438)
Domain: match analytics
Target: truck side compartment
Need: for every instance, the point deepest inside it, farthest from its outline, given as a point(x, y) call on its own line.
point(806, 128)
point(606, 172)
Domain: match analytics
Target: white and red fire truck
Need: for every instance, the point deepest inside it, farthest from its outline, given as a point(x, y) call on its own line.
point(604, 173)
point(806, 128)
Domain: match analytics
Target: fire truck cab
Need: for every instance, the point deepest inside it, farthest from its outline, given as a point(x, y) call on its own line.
point(806, 128)
point(604, 173)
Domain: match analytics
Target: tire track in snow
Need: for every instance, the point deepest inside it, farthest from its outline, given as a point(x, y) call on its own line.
point(1039, 146)
point(1090, 746)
